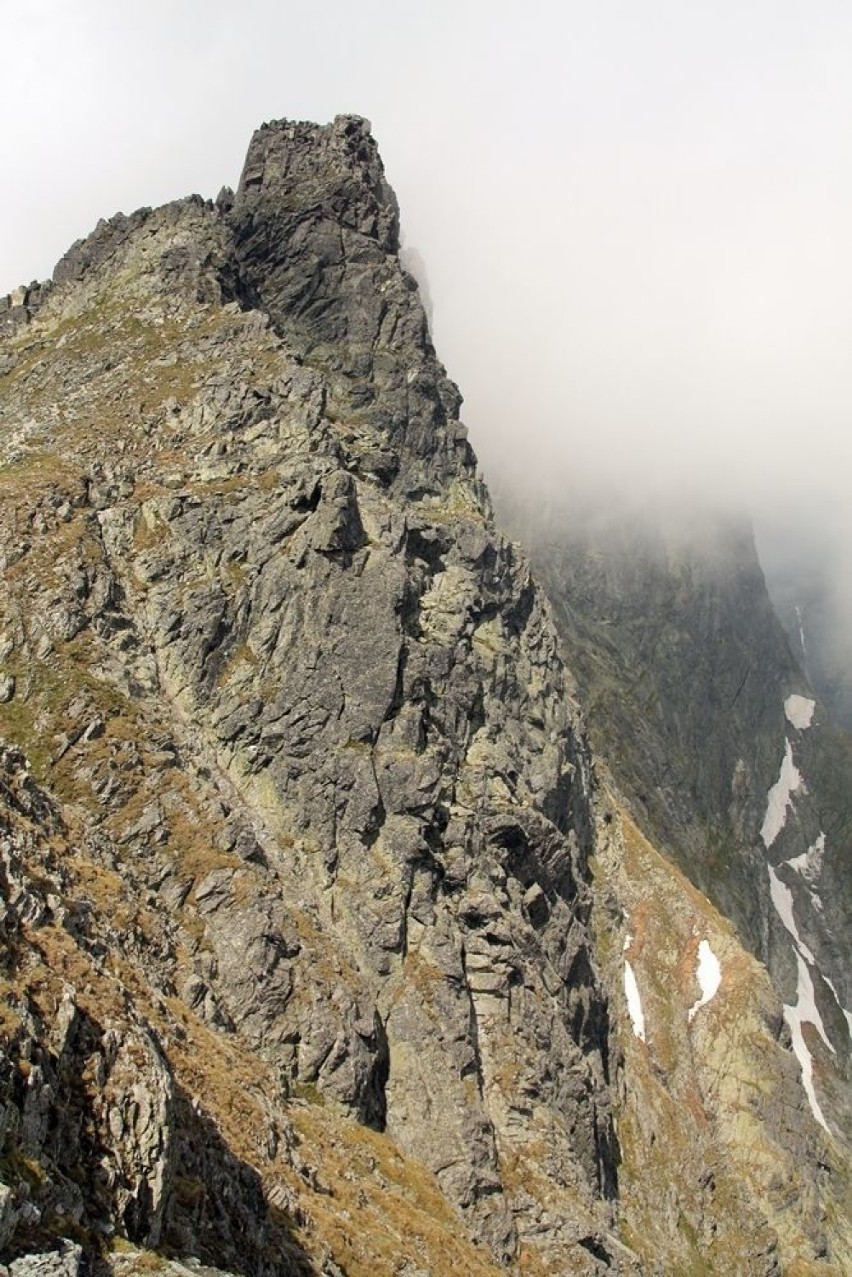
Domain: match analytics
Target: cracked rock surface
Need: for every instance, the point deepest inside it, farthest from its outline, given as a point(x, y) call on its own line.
point(265, 644)
point(297, 813)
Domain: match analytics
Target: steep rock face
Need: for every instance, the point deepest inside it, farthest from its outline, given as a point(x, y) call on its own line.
point(134, 1128)
point(319, 732)
point(298, 934)
point(94, 1126)
point(808, 582)
point(709, 727)
point(724, 1168)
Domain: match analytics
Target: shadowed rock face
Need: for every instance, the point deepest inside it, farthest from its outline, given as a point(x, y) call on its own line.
point(315, 246)
point(300, 963)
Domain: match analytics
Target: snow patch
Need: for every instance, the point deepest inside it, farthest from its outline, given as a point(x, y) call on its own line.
point(799, 711)
point(634, 1002)
point(779, 798)
point(809, 864)
point(806, 1007)
point(782, 899)
point(709, 975)
point(805, 1012)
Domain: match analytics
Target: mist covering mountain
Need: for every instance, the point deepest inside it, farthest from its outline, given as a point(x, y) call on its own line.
point(708, 722)
point(333, 941)
point(808, 574)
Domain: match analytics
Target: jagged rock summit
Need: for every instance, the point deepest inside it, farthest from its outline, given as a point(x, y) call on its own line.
point(303, 968)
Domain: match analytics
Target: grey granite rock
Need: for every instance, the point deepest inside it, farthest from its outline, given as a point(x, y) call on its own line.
point(297, 890)
point(65, 1262)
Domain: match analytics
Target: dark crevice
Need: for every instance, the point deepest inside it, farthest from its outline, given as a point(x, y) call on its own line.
point(427, 545)
point(372, 1106)
point(595, 1247)
point(307, 504)
point(398, 698)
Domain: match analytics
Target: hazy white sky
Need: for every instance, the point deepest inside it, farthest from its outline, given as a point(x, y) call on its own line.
point(636, 215)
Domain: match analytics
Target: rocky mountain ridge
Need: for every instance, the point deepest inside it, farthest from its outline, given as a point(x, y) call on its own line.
point(314, 914)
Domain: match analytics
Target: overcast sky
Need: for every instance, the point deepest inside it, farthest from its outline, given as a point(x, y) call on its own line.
point(635, 215)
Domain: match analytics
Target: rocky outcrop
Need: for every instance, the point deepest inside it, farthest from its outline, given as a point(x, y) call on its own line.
point(299, 950)
point(98, 1137)
point(270, 650)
